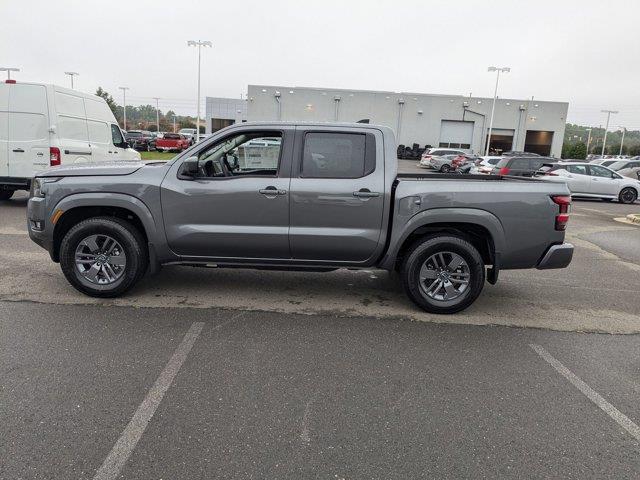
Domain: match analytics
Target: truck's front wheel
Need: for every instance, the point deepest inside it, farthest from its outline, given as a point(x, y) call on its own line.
point(443, 274)
point(103, 256)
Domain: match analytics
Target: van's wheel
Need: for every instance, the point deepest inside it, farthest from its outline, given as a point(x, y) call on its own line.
point(628, 195)
point(445, 168)
point(103, 256)
point(443, 274)
point(6, 194)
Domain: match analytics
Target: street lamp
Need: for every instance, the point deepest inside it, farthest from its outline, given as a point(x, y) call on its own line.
point(624, 130)
point(174, 123)
point(9, 70)
point(588, 139)
point(604, 142)
point(157, 115)
point(71, 74)
point(124, 101)
point(199, 44)
point(495, 95)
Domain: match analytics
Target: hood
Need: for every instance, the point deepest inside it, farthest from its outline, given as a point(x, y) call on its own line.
point(93, 169)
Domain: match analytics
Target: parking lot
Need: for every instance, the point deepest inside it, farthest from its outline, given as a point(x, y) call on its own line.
point(205, 373)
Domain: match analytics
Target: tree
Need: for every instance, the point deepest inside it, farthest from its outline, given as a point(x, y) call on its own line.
point(109, 99)
point(579, 151)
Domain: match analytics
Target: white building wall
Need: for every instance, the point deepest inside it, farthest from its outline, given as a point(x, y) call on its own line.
point(228, 108)
point(421, 114)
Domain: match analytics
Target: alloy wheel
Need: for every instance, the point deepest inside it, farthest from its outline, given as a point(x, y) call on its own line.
point(100, 259)
point(444, 276)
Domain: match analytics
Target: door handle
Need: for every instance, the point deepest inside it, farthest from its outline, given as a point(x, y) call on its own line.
point(18, 150)
point(365, 193)
point(272, 191)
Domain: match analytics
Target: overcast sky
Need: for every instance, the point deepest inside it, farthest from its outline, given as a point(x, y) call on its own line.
point(584, 52)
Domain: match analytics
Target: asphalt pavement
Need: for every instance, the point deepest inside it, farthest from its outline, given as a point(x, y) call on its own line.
point(239, 374)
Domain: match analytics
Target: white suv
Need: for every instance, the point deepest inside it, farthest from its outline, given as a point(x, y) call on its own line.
point(589, 180)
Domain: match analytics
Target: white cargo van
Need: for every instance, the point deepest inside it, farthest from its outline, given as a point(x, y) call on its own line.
point(45, 125)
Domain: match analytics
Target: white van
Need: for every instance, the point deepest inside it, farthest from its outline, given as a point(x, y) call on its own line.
point(45, 125)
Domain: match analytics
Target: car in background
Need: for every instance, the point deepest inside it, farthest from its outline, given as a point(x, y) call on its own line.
point(591, 181)
point(425, 159)
point(204, 136)
point(605, 162)
point(189, 133)
point(630, 172)
point(141, 140)
point(172, 142)
point(514, 153)
point(622, 164)
point(484, 165)
point(525, 166)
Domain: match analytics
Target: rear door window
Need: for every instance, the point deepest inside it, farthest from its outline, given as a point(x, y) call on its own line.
point(520, 164)
point(337, 155)
point(577, 169)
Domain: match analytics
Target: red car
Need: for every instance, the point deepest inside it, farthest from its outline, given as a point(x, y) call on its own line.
point(172, 142)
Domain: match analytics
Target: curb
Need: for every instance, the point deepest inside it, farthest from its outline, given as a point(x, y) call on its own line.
point(634, 218)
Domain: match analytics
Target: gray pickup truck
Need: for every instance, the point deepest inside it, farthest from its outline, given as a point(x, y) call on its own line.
point(312, 197)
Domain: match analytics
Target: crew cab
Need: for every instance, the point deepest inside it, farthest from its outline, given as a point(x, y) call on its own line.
point(172, 142)
point(319, 198)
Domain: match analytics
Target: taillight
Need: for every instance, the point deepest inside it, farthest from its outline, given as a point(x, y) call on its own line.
point(504, 171)
point(54, 156)
point(10, 80)
point(564, 203)
point(551, 174)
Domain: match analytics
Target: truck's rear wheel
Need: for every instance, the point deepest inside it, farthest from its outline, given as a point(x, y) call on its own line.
point(103, 256)
point(6, 194)
point(443, 274)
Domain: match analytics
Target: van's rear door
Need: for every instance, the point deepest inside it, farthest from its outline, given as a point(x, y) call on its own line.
point(4, 129)
point(73, 134)
point(28, 146)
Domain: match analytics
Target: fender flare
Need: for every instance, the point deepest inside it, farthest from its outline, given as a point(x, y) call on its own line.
point(425, 218)
point(119, 200)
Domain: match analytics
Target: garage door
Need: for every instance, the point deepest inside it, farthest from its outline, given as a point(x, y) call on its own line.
point(456, 134)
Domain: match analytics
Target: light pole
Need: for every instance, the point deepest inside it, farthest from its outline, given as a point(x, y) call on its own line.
point(124, 101)
point(588, 139)
point(604, 142)
point(157, 115)
point(199, 44)
point(174, 123)
point(71, 74)
point(9, 70)
point(495, 95)
point(624, 130)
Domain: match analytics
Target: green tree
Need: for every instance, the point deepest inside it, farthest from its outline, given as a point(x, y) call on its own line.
point(579, 151)
point(109, 99)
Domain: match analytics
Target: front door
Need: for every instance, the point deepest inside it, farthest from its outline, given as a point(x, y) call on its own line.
point(578, 180)
point(602, 181)
point(231, 209)
point(337, 195)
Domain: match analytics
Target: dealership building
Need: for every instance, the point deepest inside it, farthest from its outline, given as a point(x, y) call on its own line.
point(426, 119)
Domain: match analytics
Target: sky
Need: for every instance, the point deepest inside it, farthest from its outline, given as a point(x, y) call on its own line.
point(583, 52)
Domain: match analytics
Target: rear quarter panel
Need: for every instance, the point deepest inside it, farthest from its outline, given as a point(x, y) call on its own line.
point(520, 215)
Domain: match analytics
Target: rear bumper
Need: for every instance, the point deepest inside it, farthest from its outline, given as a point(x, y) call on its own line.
point(14, 183)
point(557, 256)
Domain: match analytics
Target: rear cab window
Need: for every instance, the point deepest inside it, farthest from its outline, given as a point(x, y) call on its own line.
point(338, 155)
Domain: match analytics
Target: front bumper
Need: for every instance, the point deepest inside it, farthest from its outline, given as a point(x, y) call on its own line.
point(40, 230)
point(557, 256)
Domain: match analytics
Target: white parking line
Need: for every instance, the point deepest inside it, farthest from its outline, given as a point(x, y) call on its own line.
point(590, 393)
point(121, 451)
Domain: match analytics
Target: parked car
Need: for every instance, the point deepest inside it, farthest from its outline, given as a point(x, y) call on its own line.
point(44, 125)
point(189, 133)
point(520, 166)
point(425, 160)
point(331, 199)
point(605, 162)
point(141, 140)
point(172, 142)
point(595, 181)
point(630, 172)
point(513, 153)
point(622, 164)
point(484, 165)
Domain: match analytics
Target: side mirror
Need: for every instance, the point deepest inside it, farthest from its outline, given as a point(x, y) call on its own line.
point(189, 169)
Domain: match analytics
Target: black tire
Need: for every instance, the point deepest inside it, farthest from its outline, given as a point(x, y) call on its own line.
point(6, 194)
point(133, 245)
point(628, 195)
point(445, 168)
point(424, 249)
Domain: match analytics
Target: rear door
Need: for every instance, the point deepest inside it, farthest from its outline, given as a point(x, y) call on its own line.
point(28, 145)
point(337, 195)
point(4, 129)
point(602, 181)
point(73, 133)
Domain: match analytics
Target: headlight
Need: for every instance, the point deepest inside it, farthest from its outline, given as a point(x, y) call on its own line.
point(39, 185)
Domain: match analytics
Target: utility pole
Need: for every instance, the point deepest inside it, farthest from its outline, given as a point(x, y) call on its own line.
point(495, 95)
point(174, 124)
point(157, 115)
point(588, 139)
point(71, 74)
point(604, 142)
point(199, 44)
point(124, 101)
point(9, 70)
point(624, 130)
